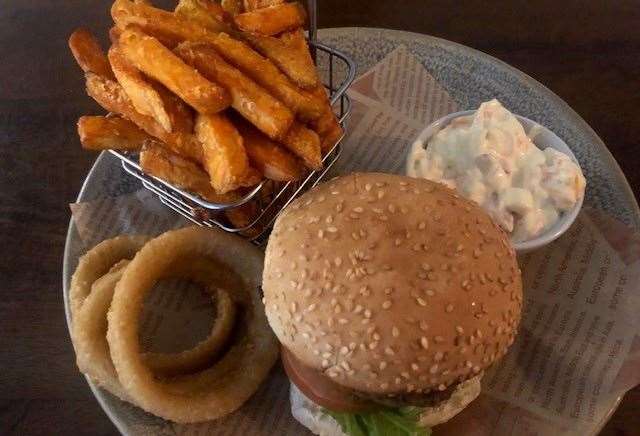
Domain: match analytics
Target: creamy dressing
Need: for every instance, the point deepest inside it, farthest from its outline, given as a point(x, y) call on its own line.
point(488, 157)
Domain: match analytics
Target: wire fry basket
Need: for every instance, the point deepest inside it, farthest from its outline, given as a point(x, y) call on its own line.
point(268, 198)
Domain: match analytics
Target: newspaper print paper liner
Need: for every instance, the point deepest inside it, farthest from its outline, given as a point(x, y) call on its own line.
point(447, 77)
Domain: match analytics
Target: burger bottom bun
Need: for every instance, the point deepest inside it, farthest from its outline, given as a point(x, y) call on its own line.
point(311, 415)
point(464, 393)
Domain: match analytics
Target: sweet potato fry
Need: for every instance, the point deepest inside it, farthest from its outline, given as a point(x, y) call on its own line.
point(291, 54)
point(142, 94)
point(252, 5)
point(205, 12)
point(166, 26)
point(88, 53)
point(110, 95)
point(242, 216)
point(305, 144)
point(232, 7)
point(327, 126)
point(104, 133)
point(266, 155)
point(114, 34)
point(306, 105)
point(182, 173)
point(149, 97)
point(273, 19)
point(158, 62)
point(248, 98)
point(225, 158)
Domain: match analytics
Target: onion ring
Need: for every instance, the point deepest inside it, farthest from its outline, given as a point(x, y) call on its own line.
point(205, 395)
point(90, 327)
point(88, 334)
point(97, 262)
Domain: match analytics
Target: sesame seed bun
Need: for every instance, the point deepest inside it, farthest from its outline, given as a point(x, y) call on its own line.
point(391, 285)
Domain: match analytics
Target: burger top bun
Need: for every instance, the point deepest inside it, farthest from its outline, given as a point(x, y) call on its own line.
point(391, 285)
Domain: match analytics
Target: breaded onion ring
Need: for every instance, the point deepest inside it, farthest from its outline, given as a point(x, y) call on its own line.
point(88, 333)
point(90, 328)
point(211, 393)
point(97, 262)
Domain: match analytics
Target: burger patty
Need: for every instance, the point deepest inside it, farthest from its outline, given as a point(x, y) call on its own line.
point(429, 399)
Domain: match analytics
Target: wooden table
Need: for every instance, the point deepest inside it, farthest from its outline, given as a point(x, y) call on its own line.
point(586, 52)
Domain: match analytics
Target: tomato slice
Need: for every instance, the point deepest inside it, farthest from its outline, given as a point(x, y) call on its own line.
point(322, 390)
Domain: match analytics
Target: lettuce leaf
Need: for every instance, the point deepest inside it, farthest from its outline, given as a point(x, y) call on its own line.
point(389, 422)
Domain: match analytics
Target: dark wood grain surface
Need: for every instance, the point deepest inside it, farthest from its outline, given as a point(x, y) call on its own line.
point(587, 52)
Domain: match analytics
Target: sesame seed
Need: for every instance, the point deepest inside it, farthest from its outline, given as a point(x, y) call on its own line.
point(397, 242)
point(405, 375)
point(430, 292)
point(433, 369)
point(476, 369)
point(421, 301)
point(325, 363)
point(438, 356)
point(358, 209)
point(332, 229)
point(326, 355)
point(424, 326)
point(388, 291)
point(459, 329)
point(422, 225)
point(386, 304)
point(294, 306)
point(358, 309)
point(424, 342)
point(305, 335)
point(345, 365)
point(395, 332)
point(373, 345)
point(442, 387)
point(320, 233)
point(311, 307)
point(449, 308)
point(415, 367)
point(343, 321)
point(367, 313)
point(438, 339)
point(389, 351)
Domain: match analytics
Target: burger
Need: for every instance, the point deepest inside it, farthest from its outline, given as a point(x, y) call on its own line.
point(390, 297)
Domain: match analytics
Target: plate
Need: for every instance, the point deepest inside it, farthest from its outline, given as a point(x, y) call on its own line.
point(470, 77)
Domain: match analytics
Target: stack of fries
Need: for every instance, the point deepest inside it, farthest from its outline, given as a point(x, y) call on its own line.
point(215, 96)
